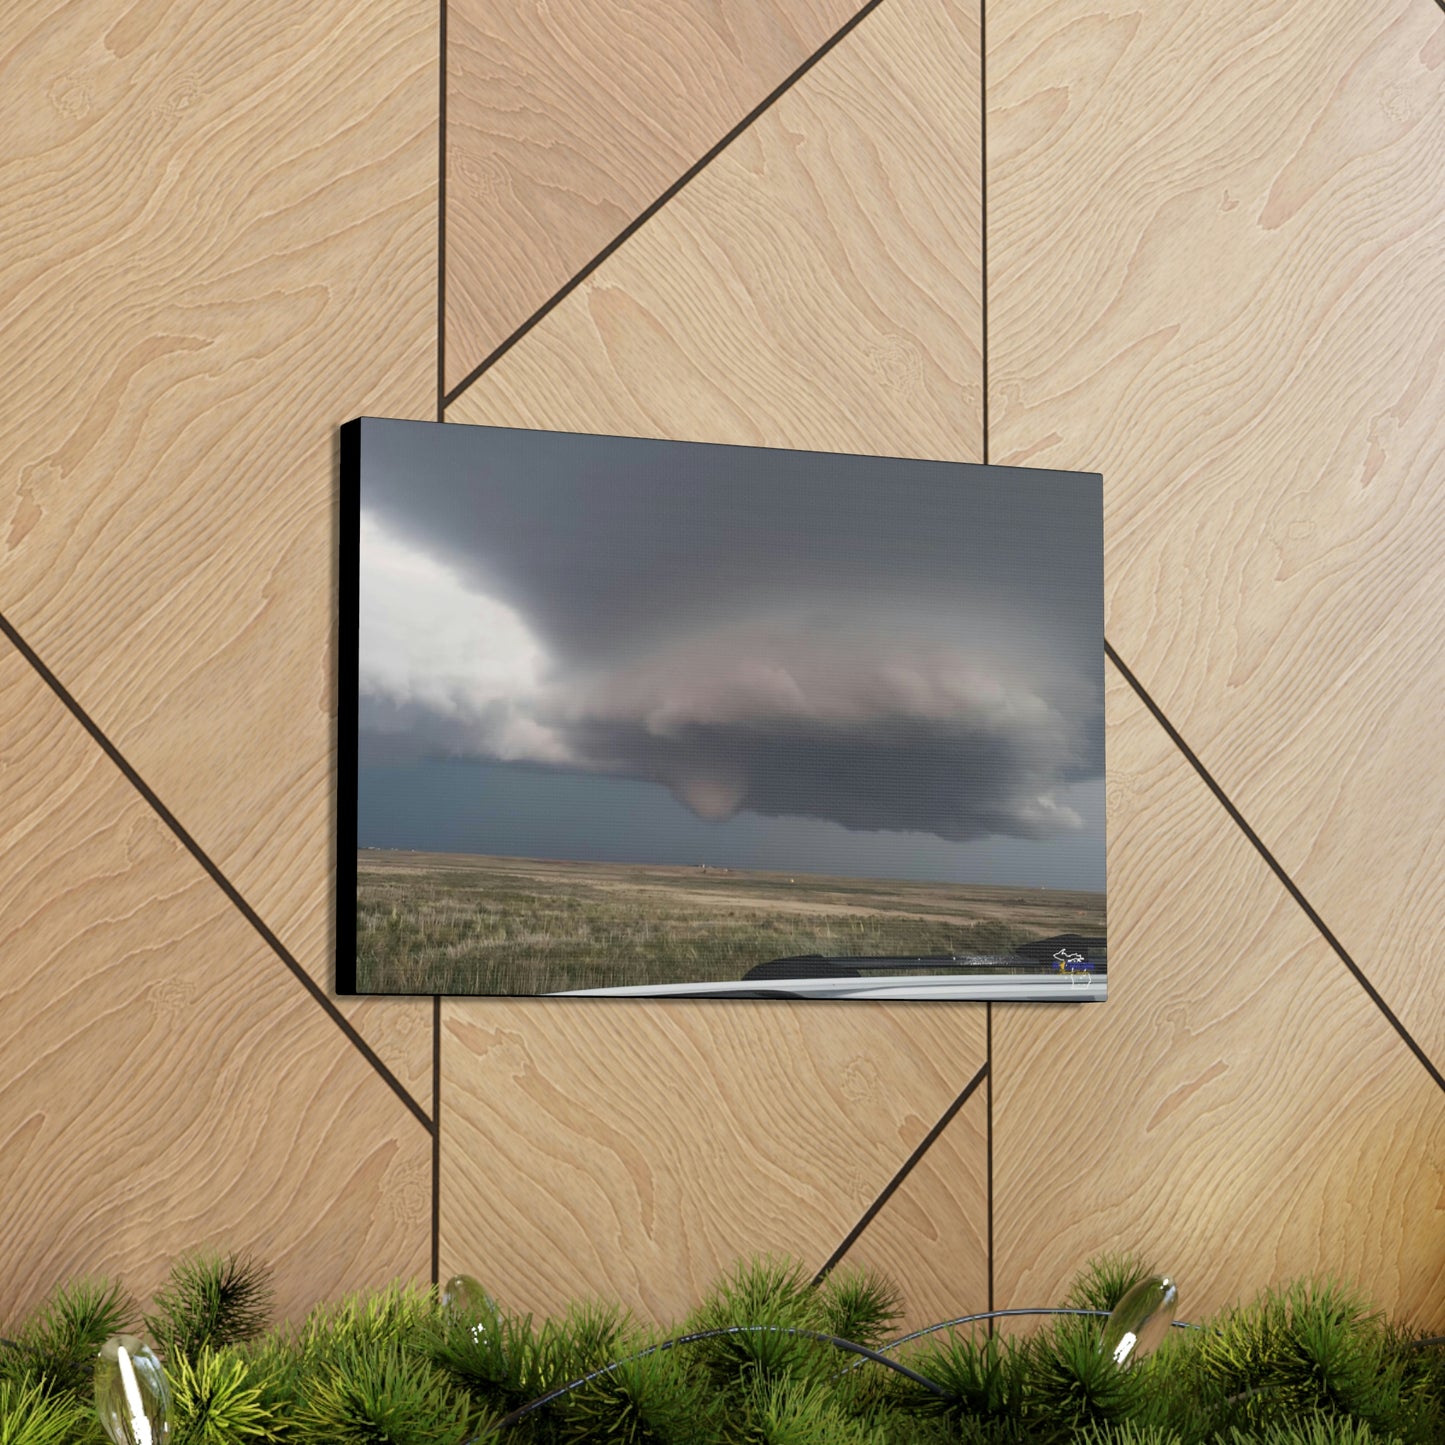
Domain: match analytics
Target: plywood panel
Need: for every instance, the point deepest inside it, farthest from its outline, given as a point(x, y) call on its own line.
point(219, 242)
point(1216, 250)
point(1238, 1112)
point(816, 286)
point(931, 1236)
point(165, 1083)
point(636, 1150)
point(565, 121)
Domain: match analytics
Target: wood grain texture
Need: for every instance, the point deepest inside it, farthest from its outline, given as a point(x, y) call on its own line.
point(1216, 258)
point(165, 1083)
point(817, 286)
point(637, 1150)
point(219, 241)
point(931, 1237)
point(565, 121)
point(1239, 1111)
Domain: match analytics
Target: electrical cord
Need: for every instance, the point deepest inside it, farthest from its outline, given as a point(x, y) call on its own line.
point(522, 1411)
point(1001, 1314)
point(866, 1354)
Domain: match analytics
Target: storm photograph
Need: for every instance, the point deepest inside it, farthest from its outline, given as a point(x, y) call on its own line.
point(639, 716)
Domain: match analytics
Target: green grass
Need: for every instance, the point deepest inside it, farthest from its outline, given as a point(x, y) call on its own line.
point(429, 924)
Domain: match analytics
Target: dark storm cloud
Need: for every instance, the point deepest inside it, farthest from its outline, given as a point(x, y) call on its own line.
point(599, 538)
point(888, 645)
point(393, 729)
point(873, 731)
point(897, 775)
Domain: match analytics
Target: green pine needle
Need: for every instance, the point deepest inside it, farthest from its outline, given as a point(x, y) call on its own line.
point(656, 1400)
point(211, 1300)
point(800, 1412)
point(59, 1342)
point(215, 1400)
point(768, 1285)
point(400, 1312)
point(1105, 1280)
point(1422, 1386)
point(1128, 1434)
point(1315, 1346)
point(859, 1305)
point(985, 1375)
point(382, 1395)
point(492, 1358)
point(1316, 1429)
point(1073, 1384)
point(587, 1337)
point(32, 1415)
point(765, 1303)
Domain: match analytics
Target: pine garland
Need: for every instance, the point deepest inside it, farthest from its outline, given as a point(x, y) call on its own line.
point(762, 1364)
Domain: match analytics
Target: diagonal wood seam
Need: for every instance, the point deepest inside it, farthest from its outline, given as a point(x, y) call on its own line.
point(219, 878)
point(902, 1173)
point(1291, 887)
point(646, 215)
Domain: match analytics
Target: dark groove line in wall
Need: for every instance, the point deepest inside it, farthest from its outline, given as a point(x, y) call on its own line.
point(983, 355)
point(1291, 887)
point(851, 1238)
point(219, 878)
point(442, 215)
point(436, 1137)
point(436, 1016)
point(634, 226)
point(983, 210)
point(988, 1063)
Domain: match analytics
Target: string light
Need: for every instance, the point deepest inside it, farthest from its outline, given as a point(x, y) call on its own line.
point(131, 1394)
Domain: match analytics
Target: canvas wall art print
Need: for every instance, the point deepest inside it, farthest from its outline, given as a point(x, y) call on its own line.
point(639, 717)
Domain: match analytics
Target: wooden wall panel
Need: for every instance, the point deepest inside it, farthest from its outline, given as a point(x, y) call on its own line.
point(165, 1082)
point(637, 1150)
point(1239, 1111)
point(219, 242)
point(1216, 255)
point(565, 121)
point(931, 1235)
point(817, 286)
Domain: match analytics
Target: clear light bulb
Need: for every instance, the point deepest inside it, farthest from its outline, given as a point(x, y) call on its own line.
point(1140, 1320)
point(467, 1306)
point(131, 1393)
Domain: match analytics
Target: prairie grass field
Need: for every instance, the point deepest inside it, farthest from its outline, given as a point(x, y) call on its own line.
point(454, 923)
